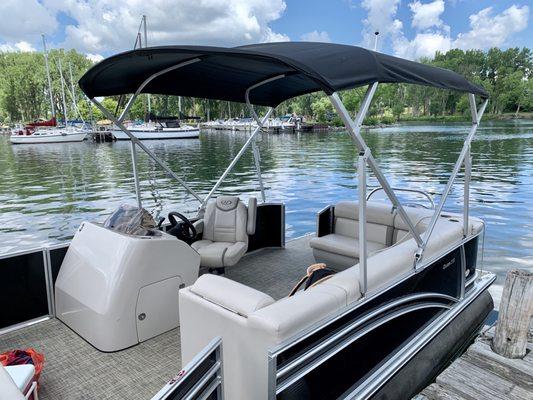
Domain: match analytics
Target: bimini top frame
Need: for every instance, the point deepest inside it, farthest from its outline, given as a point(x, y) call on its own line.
point(268, 74)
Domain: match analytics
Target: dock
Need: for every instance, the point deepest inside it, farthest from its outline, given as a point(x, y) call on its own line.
point(482, 373)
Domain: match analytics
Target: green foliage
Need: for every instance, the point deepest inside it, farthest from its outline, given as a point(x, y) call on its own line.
point(506, 74)
point(322, 109)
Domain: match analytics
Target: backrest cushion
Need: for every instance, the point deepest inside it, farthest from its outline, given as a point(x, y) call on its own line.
point(420, 218)
point(379, 217)
point(225, 220)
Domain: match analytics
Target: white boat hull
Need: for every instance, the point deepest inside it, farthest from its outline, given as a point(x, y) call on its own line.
point(166, 133)
point(54, 137)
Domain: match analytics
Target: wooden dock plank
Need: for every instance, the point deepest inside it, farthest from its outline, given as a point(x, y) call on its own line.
point(515, 370)
point(438, 392)
point(471, 381)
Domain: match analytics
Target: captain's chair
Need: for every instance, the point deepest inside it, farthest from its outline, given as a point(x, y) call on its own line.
point(226, 226)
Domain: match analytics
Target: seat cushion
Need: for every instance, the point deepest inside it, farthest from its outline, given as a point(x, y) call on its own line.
point(22, 375)
point(343, 245)
point(219, 254)
point(8, 388)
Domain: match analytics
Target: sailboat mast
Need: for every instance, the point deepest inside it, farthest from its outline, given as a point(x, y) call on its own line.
point(74, 102)
point(146, 45)
point(49, 79)
point(63, 91)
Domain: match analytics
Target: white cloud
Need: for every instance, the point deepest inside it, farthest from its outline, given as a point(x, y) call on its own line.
point(21, 46)
point(423, 45)
point(25, 20)
point(432, 34)
point(270, 36)
point(427, 15)
point(111, 25)
point(95, 57)
point(380, 18)
point(488, 30)
point(316, 36)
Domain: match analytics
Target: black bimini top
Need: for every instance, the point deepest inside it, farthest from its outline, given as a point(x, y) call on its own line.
point(226, 73)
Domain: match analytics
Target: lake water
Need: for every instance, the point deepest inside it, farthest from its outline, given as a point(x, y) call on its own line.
point(46, 191)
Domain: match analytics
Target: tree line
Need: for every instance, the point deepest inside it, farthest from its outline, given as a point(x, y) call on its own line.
point(505, 74)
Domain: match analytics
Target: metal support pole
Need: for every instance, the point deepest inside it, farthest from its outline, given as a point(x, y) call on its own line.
point(147, 81)
point(237, 157)
point(355, 130)
point(457, 166)
point(136, 175)
point(146, 45)
point(257, 160)
point(361, 170)
point(255, 148)
point(466, 200)
point(136, 141)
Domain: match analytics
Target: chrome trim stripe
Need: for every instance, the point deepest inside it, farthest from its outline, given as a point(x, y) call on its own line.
point(211, 388)
point(24, 324)
point(48, 281)
point(372, 293)
point(383, 374)
point(213, 346)
point(364, 318)
point(345, 343)
point(195, 390)
point(22, 252)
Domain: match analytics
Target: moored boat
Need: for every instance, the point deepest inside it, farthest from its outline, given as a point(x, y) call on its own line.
point(154, 131)
point(50, 135)
point(394, 292)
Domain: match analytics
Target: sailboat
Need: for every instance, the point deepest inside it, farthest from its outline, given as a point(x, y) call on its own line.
point(48, 131)
point(155, 127)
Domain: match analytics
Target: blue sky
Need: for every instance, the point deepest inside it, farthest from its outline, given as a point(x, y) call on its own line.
point(342, 19)
point(411, 29)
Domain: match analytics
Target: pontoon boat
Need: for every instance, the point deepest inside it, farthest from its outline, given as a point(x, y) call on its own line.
point(118, 314)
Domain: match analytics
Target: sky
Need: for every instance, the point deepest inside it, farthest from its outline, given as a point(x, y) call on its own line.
point(411, 29)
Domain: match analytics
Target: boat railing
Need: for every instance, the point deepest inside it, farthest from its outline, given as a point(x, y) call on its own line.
point(397, 189)
point(201, 378)
point(28, 278)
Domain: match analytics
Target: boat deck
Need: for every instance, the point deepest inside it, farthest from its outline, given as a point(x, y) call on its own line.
point(76, 370)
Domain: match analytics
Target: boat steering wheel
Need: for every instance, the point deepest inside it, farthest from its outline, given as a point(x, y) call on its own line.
point(183, 231)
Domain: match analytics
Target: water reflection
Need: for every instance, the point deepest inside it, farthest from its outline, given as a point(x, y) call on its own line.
point(46, 191)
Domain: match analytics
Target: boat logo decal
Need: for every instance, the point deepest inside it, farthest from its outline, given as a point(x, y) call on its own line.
point(446, 265)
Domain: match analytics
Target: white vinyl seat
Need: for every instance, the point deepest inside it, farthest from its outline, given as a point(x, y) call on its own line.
point(21, 375)
point(8, 388)
point(226, 225)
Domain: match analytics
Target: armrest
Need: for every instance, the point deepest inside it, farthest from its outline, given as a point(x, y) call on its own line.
point(199, 226)
point(324, 221)
point(231, 295)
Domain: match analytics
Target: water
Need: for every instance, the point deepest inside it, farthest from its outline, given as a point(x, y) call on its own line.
point(46, 191)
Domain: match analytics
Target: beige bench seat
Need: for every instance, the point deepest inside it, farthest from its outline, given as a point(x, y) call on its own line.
point(251, 323)
point(343, 245)
point(340, 249)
